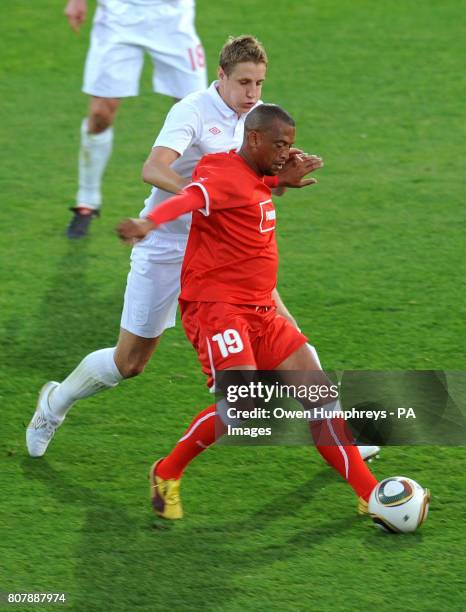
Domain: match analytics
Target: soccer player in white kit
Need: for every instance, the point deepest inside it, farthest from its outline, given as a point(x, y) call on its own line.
point(122, 31)
point(209, 121)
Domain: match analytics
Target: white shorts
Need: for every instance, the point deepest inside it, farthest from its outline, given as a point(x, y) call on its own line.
point(153, 286)
point(121, 32)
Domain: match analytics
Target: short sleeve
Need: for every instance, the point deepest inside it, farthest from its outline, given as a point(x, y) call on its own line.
point(181, 128)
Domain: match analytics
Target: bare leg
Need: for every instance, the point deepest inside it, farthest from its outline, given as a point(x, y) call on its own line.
point(132, 353)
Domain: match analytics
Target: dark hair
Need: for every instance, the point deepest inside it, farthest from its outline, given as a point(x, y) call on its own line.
point(244, 48)
point(264, 115)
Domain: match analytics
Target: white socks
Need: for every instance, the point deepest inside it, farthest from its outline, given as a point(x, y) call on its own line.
point(93, 157)
point(96, 372)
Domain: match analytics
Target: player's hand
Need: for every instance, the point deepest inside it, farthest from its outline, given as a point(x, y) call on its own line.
point(132, 230)
point(297, 167)
point(76, 11)
point(294, 151)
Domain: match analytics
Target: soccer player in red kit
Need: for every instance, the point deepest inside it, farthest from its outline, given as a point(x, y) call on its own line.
point(229, 274)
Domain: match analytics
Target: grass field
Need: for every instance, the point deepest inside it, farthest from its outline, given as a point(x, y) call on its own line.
point(372, 266)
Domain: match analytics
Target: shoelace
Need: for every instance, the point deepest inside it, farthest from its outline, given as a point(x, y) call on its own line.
point(51, 428)
point(50, 425)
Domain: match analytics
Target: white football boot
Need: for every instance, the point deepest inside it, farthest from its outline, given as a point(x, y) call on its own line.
point(369, 452)
point(43, 425)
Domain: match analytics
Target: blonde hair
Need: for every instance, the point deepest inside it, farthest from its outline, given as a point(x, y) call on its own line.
point(244, 48)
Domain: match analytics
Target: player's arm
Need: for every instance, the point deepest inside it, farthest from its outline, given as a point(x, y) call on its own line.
point(182, 127)
point(76, 11)
point(132, 230)
point(157, 170)
point(282, 309)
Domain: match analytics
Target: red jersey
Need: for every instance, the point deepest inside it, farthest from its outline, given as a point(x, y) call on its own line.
point(231, 255)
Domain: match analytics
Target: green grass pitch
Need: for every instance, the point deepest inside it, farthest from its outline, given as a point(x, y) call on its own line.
point(372, 266)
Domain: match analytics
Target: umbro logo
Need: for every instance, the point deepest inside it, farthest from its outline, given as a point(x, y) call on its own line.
point(214, 130)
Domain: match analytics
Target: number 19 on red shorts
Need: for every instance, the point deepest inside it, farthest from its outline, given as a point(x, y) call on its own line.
point(231, 335)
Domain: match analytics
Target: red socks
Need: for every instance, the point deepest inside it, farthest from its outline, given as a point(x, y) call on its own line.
point(332, 438)
point(335, 443)
point(202, 432)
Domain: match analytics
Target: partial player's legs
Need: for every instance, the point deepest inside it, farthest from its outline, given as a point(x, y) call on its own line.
point(98, 371)
point(165, 474)
point(368, 452)
point(120, 34)
point(149, 309)
point(281, 339)
point(113, 66)
point(94, 153)
point(201, 326)
point(102, 370)
point(332, 437)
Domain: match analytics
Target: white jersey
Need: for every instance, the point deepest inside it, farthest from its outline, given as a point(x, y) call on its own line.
point(199, 124)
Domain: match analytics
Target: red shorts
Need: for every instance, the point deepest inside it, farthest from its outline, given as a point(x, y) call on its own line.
point(232, 335)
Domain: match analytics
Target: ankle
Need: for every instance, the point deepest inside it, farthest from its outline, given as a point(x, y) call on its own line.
point(84, 210)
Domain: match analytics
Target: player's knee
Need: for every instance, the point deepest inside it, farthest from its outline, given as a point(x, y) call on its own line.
point(132, 364)
point(133, 353)
point(99, 121)
point(132, 368)
point(101, 115)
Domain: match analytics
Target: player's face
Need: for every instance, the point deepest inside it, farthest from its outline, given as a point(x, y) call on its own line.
point(273, 147)
point(243, 87)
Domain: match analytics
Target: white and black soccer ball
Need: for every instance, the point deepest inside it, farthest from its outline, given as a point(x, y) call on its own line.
point(399, 504)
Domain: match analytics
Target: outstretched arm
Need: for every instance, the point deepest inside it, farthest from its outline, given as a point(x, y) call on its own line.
point(132, 230)
point(76, 11)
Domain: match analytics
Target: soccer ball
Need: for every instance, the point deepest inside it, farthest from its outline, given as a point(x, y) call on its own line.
point(399, 504)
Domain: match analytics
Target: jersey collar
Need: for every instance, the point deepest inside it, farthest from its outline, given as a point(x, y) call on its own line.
point(220, 104)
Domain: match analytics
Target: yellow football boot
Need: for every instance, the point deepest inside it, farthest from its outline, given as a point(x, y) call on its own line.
point(165, 495)
point(363, 507)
